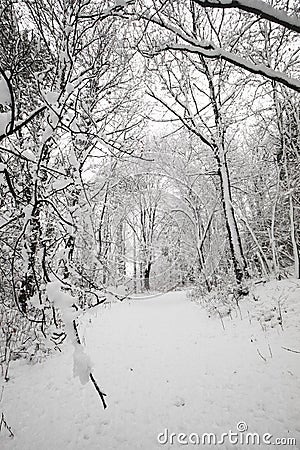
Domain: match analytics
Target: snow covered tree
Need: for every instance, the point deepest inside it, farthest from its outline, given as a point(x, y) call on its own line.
point(233, 43)
point(66, 105)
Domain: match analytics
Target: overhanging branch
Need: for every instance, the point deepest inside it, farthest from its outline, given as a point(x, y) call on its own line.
point(209, 50)
point(257, 7)
point(258, 69)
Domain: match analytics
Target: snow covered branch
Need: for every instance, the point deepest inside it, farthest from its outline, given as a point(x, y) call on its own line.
point(258, 7)
point(209, 50)
point(258, 69)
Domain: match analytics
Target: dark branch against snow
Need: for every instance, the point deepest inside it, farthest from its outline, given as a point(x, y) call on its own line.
point(258, 7)
point(209, 50)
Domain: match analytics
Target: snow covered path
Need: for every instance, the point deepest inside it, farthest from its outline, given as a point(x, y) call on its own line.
point(164, 365)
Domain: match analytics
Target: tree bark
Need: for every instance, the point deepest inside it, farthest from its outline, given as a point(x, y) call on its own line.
point(147, 277)
point(238, 259)
point(294, 240)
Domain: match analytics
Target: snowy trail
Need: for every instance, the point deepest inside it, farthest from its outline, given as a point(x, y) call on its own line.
point(164, 365)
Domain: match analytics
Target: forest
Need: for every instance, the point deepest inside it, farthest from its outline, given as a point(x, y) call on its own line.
point(146, 146)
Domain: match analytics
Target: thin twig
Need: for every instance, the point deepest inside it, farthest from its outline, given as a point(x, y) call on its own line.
point(221, 320)
point(1, 395)
point(101, 394)
point(271, 354)
point(290, 350)
point(3, 422)
point(249, 317)
point(261, 355)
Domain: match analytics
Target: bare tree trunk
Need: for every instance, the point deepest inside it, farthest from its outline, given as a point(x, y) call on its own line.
point(294, 239)
point(147, 277)
point(141, 276)
point(134, 265)
point(235, 244)
point(120, 250)
point(292, 218)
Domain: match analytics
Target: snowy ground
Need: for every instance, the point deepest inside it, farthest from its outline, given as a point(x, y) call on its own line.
point(165, 364)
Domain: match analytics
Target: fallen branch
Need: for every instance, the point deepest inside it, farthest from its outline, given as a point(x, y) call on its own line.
point(290, 350)
point(271, 354)
point(4, 423)
point(261, 355)
point(101, 394)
